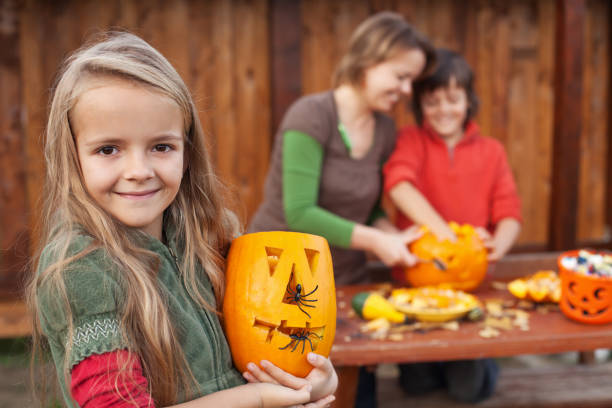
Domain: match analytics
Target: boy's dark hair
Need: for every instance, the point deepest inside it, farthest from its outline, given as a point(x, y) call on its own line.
point(449, 64)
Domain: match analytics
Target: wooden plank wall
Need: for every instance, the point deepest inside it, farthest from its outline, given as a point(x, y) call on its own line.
point(230, 55)
point(13, 225)
point(220, 49)
point(510, 46)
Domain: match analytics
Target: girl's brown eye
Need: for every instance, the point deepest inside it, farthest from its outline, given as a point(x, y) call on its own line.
point(162, 148)
point(107, 150)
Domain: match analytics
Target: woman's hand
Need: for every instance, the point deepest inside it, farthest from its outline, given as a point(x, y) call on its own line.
point(322, 378)
point(392, 249)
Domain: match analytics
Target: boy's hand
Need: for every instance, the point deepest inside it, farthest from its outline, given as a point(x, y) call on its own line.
point(411, 234)
point(322, 377)
point(494, 249)
point(443, 232)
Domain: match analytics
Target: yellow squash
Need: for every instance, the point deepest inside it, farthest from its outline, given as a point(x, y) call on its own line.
point(370, 305)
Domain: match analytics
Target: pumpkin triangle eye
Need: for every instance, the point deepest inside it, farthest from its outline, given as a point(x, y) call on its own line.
point(274, 255)
point(313, 259)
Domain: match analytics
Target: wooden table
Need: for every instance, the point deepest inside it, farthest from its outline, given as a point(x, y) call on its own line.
point(549, 333)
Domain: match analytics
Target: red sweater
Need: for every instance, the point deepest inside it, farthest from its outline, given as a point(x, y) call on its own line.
point(95, 382)
point(473, 184)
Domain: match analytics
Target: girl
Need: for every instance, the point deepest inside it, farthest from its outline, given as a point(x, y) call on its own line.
point(325, 175)
point(444, 170)
point(131, 274)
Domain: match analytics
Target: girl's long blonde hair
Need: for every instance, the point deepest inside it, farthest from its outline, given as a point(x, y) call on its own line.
point(203, 225)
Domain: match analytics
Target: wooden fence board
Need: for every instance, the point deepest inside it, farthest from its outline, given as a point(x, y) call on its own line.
point(568, 123)
point(594, 136)
point(13, 226)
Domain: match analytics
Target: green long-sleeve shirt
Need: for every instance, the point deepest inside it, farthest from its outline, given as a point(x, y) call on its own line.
point(302, 162)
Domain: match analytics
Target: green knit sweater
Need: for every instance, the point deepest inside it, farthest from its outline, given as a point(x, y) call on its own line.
point(95, 296)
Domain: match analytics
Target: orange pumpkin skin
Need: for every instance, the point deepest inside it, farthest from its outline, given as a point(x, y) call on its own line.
point(260, 313)
point(466, 260)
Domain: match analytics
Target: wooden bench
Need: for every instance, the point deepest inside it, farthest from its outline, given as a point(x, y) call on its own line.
point(14, 320)
point(584, 386)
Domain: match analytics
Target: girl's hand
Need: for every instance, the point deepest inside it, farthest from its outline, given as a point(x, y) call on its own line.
point(322, 403)
point(275, 395)
point(322, 377)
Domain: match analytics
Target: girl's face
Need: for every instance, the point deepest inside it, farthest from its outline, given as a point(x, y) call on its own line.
point(130, 144)
point(385, 82)
point(445, 109)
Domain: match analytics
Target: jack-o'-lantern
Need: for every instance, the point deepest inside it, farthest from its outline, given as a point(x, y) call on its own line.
point(585, 298)
point(465, 260)
point(280, 299)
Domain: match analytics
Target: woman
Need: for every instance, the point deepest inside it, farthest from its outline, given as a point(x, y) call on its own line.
point(325, 174)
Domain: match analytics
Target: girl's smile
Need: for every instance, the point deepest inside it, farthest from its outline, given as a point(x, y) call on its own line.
point(138, 195)
point(130, 146)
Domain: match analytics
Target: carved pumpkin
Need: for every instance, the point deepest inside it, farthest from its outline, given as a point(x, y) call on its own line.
point(280, 299)
point(585, 298)
point(466, 260)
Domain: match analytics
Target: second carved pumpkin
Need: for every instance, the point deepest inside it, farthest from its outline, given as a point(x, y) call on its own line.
point(466, 260)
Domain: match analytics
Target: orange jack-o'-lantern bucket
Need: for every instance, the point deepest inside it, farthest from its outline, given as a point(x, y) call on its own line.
point(280, 299)
point(584, 298)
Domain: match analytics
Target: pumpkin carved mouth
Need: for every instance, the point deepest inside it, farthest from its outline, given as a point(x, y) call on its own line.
point(585, 309)
point(316, 334)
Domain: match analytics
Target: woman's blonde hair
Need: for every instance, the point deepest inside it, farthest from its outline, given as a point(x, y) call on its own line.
point(377, 39)
point(203, 225)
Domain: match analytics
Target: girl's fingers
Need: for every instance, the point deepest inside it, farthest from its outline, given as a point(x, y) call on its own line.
point(259, 374)
point(318, 361)
point(249, 377)
point(281, 376)
point(323, 402)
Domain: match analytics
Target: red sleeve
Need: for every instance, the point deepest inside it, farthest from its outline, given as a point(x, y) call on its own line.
point(505, 200)
point(96, 383)
point(405, 161)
